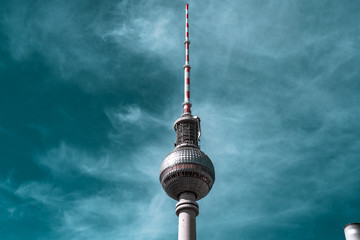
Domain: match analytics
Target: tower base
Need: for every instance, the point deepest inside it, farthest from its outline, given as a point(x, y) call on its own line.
point(187, 210)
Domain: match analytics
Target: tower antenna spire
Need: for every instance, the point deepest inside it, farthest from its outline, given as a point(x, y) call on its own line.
point(187, 67)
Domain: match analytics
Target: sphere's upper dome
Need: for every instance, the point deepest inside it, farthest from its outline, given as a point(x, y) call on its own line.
point(187, 169)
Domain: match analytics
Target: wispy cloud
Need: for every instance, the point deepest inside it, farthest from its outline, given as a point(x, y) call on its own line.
point(257, 166)
point(148, 27)
point(65, 161)
point(121, 208)
point(110, 213)
point(91, 44)
point(43, 193)
point(133, 115)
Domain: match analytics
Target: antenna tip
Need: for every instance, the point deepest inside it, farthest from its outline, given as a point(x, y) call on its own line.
point(187, 6)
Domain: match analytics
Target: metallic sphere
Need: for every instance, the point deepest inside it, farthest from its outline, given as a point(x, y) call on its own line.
point(187, 169)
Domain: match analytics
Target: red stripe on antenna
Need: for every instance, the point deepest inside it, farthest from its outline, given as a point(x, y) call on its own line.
point(187, 80)
point(187, 57)
point(187, 94)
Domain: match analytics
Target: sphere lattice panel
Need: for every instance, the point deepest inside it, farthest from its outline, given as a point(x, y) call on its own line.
point(187, 169)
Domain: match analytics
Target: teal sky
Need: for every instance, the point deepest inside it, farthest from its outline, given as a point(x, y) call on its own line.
point(90, 90)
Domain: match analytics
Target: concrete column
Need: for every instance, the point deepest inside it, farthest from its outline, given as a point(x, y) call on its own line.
point(352, 231)
point(187, 210)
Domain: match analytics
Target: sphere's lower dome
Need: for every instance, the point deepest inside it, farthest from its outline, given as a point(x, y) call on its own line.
point(187, 169)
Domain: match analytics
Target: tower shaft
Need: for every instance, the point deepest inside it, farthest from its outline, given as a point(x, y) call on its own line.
point(187, 210)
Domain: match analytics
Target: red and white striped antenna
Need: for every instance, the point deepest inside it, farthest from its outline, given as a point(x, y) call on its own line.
point(187, 67)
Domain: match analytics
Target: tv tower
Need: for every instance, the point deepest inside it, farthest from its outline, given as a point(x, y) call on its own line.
point(187, 174)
